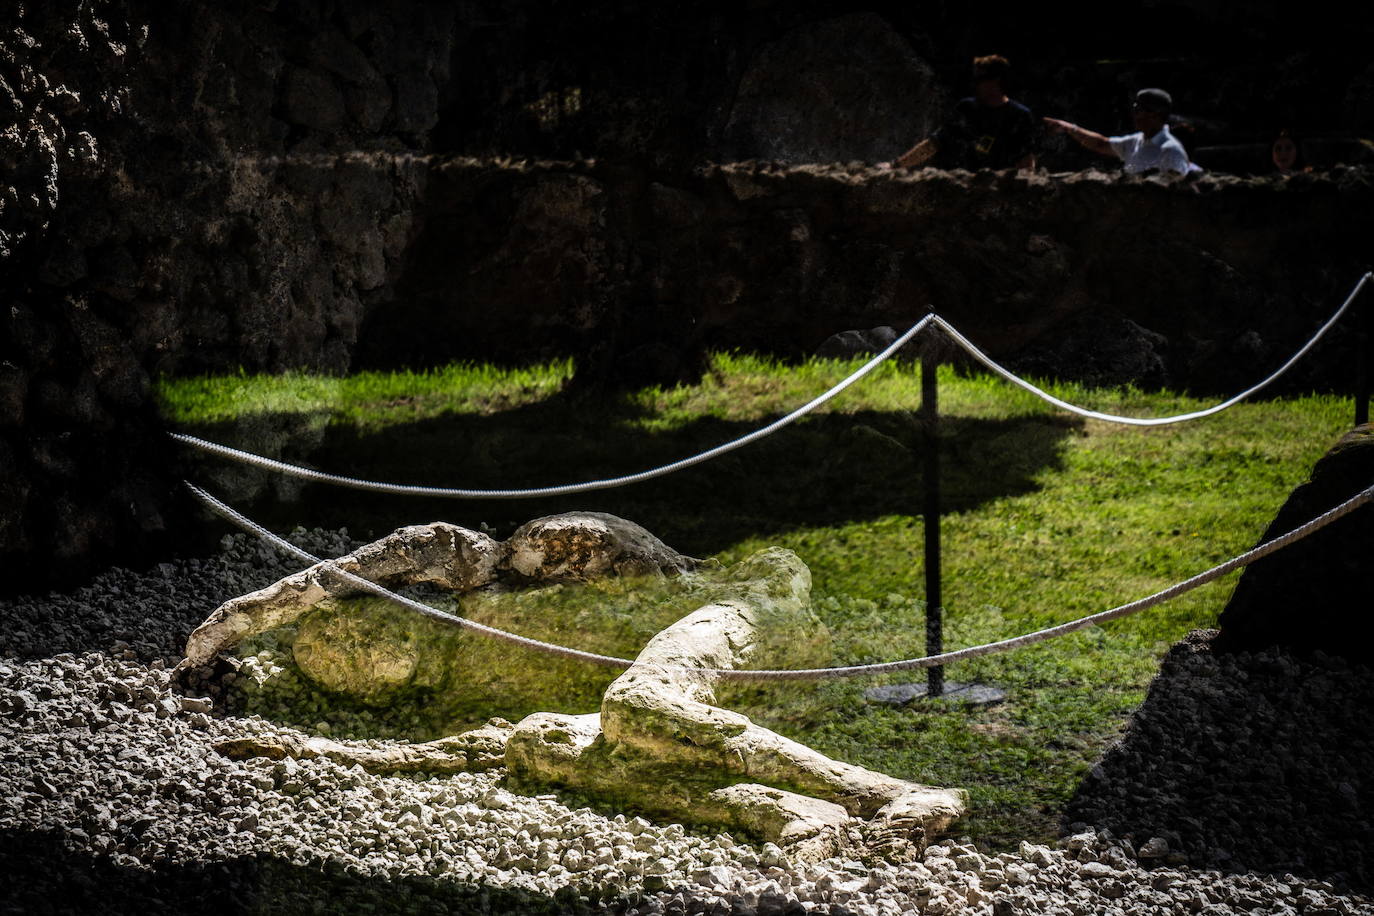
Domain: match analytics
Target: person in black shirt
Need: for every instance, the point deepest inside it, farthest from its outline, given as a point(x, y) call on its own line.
point(986, 131)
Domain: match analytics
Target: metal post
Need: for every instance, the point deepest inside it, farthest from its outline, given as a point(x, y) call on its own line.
point(1363, 310)
point(930, 415)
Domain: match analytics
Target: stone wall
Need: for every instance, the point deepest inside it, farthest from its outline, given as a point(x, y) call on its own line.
point(188, 187)
point(1207, 284)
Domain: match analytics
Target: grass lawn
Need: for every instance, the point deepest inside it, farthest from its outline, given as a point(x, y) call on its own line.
point(1049, 517)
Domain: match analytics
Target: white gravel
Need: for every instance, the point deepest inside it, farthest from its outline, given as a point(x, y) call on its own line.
point(115, 801)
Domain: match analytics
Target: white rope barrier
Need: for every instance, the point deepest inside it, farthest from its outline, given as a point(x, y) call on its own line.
point(455, 493)
point(1016, 380)
point(814, 674)
point(294, 470)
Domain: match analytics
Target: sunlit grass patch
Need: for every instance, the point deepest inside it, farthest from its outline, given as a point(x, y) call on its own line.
point(366, 399)
point(1049, 518)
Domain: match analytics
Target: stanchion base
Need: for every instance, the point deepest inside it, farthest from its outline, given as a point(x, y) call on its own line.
point(955, 692)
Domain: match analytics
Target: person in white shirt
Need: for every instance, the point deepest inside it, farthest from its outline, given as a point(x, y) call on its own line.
point(1152, 147)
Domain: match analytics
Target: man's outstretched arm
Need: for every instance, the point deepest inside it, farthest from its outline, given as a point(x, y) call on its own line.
point(1084, 137)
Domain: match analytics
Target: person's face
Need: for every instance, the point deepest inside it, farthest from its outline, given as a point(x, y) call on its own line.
point(1284, 154)
point(1146, 121)
point(988, 91)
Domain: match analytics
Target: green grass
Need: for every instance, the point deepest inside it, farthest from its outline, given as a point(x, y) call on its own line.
point(369, 400)
point(1048, 518)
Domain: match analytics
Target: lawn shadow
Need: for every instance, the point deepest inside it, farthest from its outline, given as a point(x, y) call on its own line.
point(825, 470)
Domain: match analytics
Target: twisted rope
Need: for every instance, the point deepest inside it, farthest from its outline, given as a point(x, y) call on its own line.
point(454, 493)
point(931, 319)
point(814, 674)
point(252, 527)
point(1016, 380)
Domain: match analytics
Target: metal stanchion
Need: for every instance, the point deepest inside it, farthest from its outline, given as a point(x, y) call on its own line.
point(1363, 311)
point(936, 687)
point(930, 423)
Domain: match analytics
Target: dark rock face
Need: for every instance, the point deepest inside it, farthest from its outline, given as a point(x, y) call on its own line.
point(854, 343)
point(1245, 761)
point(1100, 350)
point(1315, 594)
point(1247, 754)
point(808, 98)
point(185, 188)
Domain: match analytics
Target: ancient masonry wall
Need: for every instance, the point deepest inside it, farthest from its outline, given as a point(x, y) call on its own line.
point(145, 230)
point(1205, 283)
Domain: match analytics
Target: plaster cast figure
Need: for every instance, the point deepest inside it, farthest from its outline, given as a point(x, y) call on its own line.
point(660, 744)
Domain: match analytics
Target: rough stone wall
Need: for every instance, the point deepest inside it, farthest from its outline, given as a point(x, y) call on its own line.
point(1207, 284)
point(188, 187)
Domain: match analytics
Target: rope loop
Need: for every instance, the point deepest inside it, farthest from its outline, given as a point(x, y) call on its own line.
point(932, 322)
point(282, 467)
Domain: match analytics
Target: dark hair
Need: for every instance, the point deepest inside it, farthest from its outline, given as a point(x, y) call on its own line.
point(1155, 100)
point(991, 67)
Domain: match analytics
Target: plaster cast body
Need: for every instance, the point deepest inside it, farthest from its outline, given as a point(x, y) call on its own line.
point(659, 743)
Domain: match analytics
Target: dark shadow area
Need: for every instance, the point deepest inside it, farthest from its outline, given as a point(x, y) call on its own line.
point(541, 83)
point(44, 876)
point(824, 470)
point(1252, 750)
point(1326, 574)
point(1246, 762)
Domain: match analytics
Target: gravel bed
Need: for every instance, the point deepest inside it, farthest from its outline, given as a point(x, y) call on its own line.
point(115, 801)
point(1256, 761)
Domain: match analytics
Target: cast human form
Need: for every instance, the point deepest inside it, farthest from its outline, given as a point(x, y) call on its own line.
point(988, 130)
point(1151, 147)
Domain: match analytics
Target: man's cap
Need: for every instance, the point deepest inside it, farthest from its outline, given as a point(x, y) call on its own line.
point(1156, 100)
